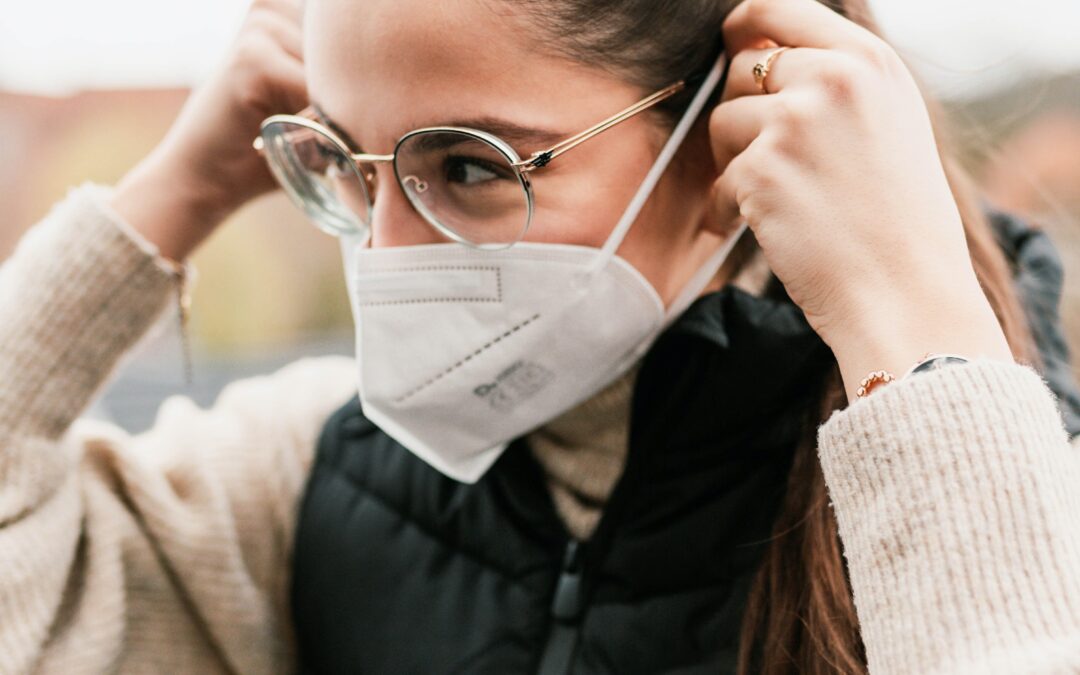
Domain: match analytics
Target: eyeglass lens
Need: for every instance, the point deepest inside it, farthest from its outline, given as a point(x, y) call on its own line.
point(319, 177)
point(459, 182)
point(465, 184)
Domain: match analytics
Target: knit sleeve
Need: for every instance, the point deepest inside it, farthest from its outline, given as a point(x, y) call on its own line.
point(957, 496)
point(165, 551)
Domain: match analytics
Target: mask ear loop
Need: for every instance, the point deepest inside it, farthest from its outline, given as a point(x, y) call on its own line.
point(682, 129)
point(701, 278)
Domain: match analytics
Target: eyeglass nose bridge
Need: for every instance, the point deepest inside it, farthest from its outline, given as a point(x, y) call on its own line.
point(363, 161)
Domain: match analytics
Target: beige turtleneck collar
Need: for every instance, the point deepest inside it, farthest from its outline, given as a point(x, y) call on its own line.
point(583, 452)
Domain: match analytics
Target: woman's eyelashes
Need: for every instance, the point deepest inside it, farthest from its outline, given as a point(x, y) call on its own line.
point(472, 171)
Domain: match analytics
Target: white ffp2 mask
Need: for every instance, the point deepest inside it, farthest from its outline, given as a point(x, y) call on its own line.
point(461, 350)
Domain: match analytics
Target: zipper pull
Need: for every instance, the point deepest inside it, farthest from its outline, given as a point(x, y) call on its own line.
point(566, 607)
point(566, 604)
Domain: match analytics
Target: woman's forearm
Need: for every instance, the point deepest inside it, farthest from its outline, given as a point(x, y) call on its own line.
point(165, 209)
point(74, 296)
point(956, 497)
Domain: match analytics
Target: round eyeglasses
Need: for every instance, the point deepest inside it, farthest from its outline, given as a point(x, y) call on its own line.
point(469, 184)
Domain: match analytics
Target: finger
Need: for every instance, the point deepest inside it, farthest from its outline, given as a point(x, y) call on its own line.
point(293, 10)
point(731, 189)
point(723, 207)
point(279, 28)
point(721, 216)
point(788, 67)
point(799, 23)
point(287, 84)
point(286, 33)
point(733, 126)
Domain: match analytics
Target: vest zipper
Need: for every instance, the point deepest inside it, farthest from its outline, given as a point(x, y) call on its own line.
point(566, 609)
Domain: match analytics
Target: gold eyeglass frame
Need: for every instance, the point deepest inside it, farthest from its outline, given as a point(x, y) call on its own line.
point(309, 117)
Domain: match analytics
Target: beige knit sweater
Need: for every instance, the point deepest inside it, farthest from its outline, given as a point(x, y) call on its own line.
point(956, 492)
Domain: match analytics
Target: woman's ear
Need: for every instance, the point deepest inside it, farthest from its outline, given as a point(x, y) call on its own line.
point(713, 219)
point(701, 174)
point(697, 174)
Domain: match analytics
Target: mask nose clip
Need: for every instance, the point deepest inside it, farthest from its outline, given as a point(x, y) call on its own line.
point(429, 284)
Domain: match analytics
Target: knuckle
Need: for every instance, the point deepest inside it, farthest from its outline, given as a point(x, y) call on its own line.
point(757, 11)
point(255, 22)
point(250, 60)
point(878, 55)
point(257, 13)
point(790, 112)
point(749, 207)
point(787, 146)
point(250, 51)
point(287, 11)
point(887, 53)
point(263, 20)
point(842, 82)
point(250, 92)
point(717, 126)
point(751, 175)
point(722, 194)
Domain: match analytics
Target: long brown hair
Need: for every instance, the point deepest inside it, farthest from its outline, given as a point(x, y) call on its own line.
point(800, 615)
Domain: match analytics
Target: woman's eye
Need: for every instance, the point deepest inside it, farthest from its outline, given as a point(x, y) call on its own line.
point(330, 154)
point(472, 171)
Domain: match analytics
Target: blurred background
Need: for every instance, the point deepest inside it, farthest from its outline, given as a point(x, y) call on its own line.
point(88, 89)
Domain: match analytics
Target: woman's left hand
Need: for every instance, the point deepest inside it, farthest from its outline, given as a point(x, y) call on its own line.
point(837, 172)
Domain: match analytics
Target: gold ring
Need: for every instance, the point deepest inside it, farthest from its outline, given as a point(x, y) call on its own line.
point(761, 70)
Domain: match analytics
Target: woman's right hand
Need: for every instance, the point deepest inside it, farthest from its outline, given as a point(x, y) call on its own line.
point(205, 167)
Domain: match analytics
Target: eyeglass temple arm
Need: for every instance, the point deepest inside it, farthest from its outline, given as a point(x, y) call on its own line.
point(544, 157)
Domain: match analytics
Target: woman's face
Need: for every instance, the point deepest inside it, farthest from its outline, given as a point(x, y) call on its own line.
point(381, 68)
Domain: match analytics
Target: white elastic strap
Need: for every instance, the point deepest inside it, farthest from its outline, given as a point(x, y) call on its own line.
point(662, 161)
point(701, 278)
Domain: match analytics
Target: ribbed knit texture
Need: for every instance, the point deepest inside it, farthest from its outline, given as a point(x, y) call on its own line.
point(165, 552)
point(169, 551)
point(958, 501)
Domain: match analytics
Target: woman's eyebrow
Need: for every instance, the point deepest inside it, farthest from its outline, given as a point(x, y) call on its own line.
point(335, 127)
point(512, 133)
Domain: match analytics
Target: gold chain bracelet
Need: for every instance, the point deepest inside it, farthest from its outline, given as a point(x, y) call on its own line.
point(183, 273)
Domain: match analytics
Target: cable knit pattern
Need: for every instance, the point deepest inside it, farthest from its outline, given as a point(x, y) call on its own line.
point(169, 551)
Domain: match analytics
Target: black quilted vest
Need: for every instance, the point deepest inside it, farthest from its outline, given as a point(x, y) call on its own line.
point(401, 570)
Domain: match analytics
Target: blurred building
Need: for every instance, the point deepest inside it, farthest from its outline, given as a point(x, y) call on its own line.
point(52, 143)
point(266, 278)
point(1023, 144)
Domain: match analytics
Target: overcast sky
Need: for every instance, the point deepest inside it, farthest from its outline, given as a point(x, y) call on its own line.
point(56, 46)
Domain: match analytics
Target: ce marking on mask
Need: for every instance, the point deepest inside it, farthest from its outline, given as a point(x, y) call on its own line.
point(518, 383)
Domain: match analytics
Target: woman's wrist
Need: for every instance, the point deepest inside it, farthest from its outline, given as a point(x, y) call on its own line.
point(165, 208)
point(893, 337)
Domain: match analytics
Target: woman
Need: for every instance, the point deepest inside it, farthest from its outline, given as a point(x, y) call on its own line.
point(735, 513)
